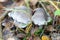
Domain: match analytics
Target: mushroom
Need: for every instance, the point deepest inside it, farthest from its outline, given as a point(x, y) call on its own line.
point(40, 17)
point(21, 16)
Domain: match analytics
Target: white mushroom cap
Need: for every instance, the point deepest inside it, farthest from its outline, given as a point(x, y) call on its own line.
point(23, 15)
point(38, 17)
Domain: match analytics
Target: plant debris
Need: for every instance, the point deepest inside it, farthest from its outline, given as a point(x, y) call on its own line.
point(29, 20)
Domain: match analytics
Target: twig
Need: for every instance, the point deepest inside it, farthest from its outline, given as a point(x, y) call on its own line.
point(53, 5)
point(27, 3)
point(1, 37)
point(3, 15)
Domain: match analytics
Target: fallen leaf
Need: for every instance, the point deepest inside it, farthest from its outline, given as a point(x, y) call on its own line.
point(33, 2)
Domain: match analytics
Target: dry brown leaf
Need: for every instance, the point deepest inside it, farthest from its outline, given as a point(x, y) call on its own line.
point(18, 3)
point(33, 2)
point(1, 6)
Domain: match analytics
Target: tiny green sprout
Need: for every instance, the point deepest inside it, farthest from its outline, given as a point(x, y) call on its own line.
point(57, 13)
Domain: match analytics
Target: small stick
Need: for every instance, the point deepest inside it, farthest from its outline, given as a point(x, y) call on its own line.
point(1, 37)
point(3, 15)
point(54, 5)
point(27, 3)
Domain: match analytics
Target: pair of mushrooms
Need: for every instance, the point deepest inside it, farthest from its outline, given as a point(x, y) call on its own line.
point(22, 16)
